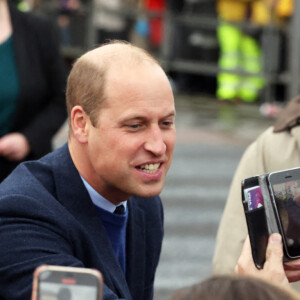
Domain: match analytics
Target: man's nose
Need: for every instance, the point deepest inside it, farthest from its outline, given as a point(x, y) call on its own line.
point(155, 142)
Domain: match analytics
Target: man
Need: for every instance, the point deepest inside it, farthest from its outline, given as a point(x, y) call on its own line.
point(58, 210)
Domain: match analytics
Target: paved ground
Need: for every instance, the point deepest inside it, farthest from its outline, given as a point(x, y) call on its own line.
point(211, 138)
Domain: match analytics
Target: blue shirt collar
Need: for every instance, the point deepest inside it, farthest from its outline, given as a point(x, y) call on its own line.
point(100, 201)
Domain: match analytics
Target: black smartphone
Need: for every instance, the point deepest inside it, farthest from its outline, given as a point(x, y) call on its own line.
point(66, 283)
point(285, 191)
point(253, 204)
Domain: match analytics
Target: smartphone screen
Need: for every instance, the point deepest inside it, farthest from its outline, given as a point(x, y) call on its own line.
point(285, 186)
point(65, 283)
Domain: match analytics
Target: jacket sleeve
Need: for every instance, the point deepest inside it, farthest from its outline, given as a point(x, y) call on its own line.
point(33, 238)
point(232, 228)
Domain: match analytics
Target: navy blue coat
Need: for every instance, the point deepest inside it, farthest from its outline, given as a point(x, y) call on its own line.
point(47, 217)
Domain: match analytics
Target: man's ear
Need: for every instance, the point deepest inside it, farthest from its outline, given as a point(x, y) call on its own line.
point(80, 123)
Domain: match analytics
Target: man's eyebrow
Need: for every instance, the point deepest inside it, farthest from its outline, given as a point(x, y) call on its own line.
point(171, 114)
point(130, 118)
point(139, 117)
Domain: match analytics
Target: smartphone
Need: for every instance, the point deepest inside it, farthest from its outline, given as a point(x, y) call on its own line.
point(285, 190)
point(253, 204)
point(66, 283)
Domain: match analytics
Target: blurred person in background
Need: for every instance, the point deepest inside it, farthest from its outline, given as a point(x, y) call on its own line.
point(32, 86)
point(111, 20)
point(148, 29)
point(66, 8)
point(156, 9)
point(240, 50)
point(277, 148)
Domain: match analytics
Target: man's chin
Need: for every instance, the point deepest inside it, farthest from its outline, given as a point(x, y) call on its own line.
point(146, 189)
point(149, 193)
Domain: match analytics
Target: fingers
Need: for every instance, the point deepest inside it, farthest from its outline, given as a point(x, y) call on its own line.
point(274, 252)
point(14, 146)
point(245, 265)
point(292, 276)
point(292, 270)
point(273, 266)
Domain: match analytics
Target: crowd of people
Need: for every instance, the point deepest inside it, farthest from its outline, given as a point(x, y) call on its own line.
point(94, 202)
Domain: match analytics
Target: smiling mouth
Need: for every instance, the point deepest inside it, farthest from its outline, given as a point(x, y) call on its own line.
point(149, 168)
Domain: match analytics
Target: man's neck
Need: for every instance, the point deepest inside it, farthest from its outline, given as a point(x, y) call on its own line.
point(84, 167)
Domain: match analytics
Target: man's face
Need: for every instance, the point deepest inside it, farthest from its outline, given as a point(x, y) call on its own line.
point(131, 148)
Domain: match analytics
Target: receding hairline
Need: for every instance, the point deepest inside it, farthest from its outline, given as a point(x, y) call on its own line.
point(117, 52)
point(87, 80)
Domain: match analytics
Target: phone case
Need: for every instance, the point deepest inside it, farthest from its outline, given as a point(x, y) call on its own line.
point(261, 222)
point(70, 273)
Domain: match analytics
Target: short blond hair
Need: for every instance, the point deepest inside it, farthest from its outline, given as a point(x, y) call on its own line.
point(86, 82)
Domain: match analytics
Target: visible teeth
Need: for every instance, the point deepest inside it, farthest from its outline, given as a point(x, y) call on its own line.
point(150, 168)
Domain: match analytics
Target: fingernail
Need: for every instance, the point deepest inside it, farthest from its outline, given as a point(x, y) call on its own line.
point(276, 238)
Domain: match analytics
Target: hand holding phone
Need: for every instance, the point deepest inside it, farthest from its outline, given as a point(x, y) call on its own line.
point(272, 270)
point(66, 283)
point(272, 204)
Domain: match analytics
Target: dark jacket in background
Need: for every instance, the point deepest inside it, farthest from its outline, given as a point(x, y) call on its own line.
point(41, 105)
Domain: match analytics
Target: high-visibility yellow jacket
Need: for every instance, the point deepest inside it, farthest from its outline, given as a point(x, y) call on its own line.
point(237, 10)
point(285, 8)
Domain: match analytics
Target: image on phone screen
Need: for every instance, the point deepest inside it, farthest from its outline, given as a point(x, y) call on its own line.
point(59, 286)
point(286, 192)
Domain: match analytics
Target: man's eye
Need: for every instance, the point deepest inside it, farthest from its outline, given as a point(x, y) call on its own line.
point(167, 123)
point(134, 126)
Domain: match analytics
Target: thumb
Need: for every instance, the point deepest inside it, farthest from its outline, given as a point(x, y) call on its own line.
point(274, 250)
point(273, 266)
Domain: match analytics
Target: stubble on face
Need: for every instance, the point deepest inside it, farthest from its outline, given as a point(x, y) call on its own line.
point(135, 132)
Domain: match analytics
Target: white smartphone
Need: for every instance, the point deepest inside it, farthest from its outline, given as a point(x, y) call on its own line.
point(66, 283)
